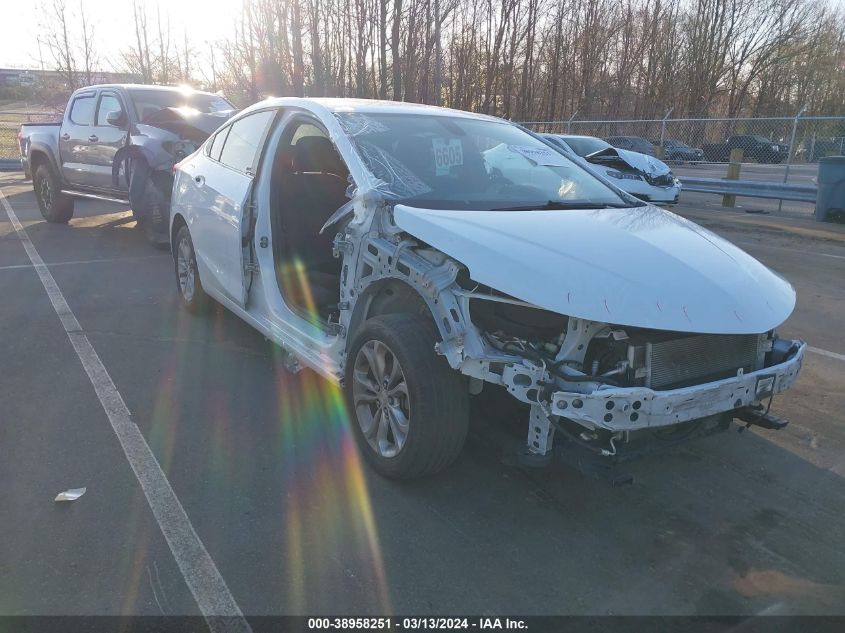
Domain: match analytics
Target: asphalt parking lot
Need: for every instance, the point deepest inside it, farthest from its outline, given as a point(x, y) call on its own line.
point(264, 468)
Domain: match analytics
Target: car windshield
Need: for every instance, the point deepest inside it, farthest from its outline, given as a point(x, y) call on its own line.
point(585, 145)
point(148, 102)
point(445, 162)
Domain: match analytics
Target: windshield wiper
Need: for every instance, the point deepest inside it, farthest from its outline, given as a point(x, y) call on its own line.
point(559, 205)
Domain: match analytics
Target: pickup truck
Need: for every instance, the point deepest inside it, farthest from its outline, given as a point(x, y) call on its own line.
point(757, 148)
point(118, 142)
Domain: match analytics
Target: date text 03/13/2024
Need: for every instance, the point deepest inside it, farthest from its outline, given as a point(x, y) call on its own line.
point(417, 624)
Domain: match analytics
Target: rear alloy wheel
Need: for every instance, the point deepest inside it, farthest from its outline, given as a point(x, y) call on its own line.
point(410, 408)
point(187, 275)
point(55, 206)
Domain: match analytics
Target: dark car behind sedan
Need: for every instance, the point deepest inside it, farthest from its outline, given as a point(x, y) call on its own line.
point(632, 143)
point(675, 150)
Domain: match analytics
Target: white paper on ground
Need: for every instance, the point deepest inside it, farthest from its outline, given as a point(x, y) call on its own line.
point(70, 495)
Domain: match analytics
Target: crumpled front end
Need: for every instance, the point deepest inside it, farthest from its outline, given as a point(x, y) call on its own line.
point(595, 382)
point(600, 384)
point(622, 409)
point(640, 175)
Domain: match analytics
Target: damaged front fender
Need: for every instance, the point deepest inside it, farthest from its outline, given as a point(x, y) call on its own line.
point(166, 137)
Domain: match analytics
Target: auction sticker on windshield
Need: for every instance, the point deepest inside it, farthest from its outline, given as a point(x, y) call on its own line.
point(448, 153)
point(540, 155)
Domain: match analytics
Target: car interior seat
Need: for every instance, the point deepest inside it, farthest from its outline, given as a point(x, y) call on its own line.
point(148, 111)
point(312, 186)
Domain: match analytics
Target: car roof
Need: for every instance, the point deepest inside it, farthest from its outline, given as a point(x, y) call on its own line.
point(145, 87)
point(566, 136)
point(373, 106)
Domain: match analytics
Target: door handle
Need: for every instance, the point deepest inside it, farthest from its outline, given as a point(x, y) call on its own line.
point(65, 136)
point(93, 138)
point(200, 180)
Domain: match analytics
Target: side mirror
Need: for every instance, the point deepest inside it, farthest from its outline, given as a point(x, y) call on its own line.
point(116, 118)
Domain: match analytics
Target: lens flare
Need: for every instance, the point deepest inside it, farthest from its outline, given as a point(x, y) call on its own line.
point(321, 457)
point(328, 531)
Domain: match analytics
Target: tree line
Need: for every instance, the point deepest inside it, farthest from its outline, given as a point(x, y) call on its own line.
point(521, 59)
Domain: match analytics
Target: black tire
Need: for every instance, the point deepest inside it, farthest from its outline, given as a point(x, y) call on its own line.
point(149, 197)
point(435, 397)
point(55, 206)
point(192, 294)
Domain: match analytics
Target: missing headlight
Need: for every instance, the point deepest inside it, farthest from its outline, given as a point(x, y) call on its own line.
point(620, 175)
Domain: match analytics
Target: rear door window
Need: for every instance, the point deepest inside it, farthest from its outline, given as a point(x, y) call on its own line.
point(82, 110)
point(242, 148)
point(216, 144)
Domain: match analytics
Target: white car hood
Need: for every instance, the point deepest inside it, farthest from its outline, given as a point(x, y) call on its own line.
point(647, 164)
point(643, 267)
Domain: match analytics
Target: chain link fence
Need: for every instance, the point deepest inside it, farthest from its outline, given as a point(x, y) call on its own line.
point(774, 148)
point(778, 148)
point(10, 125)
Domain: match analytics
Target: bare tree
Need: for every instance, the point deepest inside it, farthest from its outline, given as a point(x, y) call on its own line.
point(88, 53)
point(58, 38)
point(527, 58)
point(137, 58)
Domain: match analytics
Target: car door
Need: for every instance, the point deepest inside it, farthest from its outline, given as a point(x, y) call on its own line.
point(74, 139)
point(750, 147)
point(221, 216)
point(105, 140)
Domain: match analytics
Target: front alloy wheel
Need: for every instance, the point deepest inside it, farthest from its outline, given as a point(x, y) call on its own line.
point(380, 394)
point(411, 408)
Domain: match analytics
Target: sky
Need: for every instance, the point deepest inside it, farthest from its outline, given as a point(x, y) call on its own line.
point(206, 20)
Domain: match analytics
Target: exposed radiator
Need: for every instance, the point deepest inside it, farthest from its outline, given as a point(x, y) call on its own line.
point(700, 358)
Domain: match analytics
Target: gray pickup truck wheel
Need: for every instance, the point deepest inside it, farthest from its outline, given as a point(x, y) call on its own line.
point(55, 206)
point(410, 409)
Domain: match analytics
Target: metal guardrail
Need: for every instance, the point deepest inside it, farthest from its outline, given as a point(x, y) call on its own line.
point(719, 186)
point(751, 188)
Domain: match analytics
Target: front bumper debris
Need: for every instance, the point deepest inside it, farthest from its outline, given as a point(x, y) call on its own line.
point(630, 408)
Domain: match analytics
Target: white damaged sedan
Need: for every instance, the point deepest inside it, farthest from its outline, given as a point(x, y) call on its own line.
point(641, 175)
point(421, 257)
